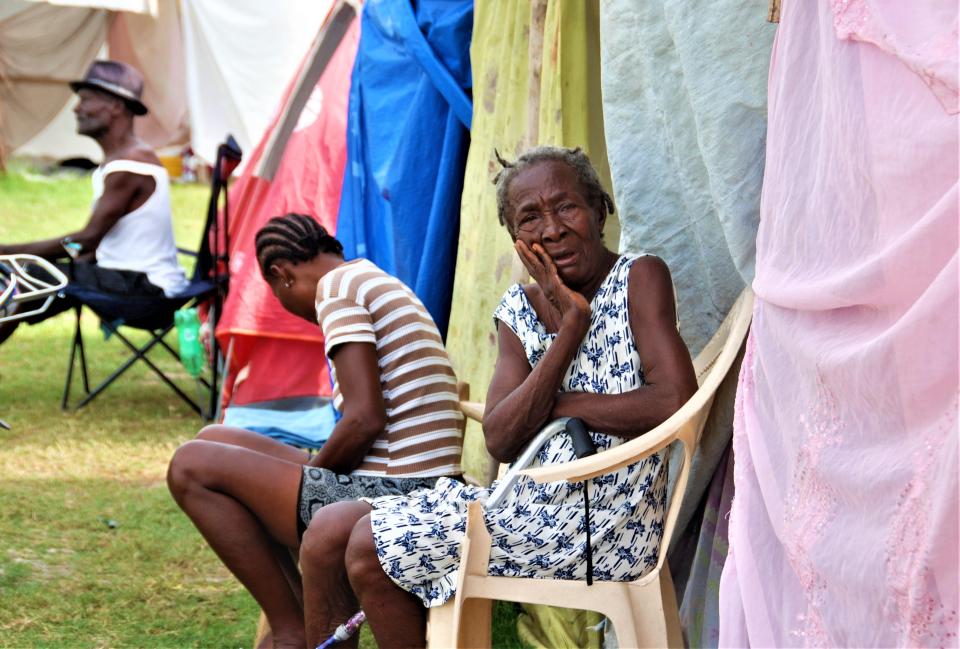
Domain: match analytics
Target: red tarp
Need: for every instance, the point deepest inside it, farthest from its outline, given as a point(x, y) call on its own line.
point(275, 354)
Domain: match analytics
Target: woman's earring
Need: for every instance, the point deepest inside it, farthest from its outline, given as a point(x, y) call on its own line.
point(287, 284)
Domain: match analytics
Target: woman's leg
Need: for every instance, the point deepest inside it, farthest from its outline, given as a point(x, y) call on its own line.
point(253, 441)
point(328, 600)
point(397, 618)
point(245, 505)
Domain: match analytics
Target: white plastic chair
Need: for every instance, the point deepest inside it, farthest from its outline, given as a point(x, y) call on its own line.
point(643, 612)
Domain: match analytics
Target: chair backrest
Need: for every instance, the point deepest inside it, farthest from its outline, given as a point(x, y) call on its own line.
point(711, 365)
point(214, 242)
point(463, 396)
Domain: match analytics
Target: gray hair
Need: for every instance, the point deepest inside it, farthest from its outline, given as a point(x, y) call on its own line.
point(576, 159)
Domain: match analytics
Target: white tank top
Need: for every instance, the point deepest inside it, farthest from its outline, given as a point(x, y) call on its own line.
point(142, 240)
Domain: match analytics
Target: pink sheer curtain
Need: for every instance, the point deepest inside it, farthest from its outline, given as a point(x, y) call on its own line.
point(844, 525)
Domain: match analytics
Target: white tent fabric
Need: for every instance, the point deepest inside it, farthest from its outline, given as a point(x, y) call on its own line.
point(43, 46)
point(134, 6)
point(209, 68)
point(240, 56)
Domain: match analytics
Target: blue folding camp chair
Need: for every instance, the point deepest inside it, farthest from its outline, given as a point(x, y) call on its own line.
point(209, 284)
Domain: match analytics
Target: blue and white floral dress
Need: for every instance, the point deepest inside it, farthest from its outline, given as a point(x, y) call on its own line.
point(537, 531)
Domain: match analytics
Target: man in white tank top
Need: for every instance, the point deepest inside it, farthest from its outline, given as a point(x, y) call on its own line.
point(127, 246)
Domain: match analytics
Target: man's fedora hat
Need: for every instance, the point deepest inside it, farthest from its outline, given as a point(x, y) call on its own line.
point(116, 78)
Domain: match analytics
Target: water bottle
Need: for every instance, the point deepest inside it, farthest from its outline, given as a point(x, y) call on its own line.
point(188, 335)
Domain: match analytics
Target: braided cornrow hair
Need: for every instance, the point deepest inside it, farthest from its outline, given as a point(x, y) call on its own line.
point(294, 237)
point(576, 159)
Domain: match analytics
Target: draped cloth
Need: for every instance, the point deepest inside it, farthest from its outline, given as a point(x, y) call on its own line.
point(844, 525)
point(408, 131)
point(684, 109)
point(685, 114)
point(536, 72)
point(275, 354)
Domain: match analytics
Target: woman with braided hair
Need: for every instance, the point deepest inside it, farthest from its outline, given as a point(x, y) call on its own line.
point(252, 497)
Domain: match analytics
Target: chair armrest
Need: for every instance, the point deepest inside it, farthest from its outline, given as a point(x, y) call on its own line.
point(472, 410)
point(189, 253)
point(682, 424)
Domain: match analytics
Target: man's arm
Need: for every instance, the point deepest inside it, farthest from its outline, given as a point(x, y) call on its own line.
point(364, 413)
point(123, 192)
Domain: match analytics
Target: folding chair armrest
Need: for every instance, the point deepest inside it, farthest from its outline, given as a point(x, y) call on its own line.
point(472, 410)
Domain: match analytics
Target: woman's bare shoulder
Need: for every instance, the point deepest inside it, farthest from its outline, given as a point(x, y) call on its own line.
point(651, 283)
point(650, 271)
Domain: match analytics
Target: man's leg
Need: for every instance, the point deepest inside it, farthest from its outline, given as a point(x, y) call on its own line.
point(7, 329)
point(244, 504)
point(57, 306)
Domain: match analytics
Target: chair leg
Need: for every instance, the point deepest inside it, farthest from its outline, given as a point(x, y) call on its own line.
point(83, 357)
point(76, 346)
point(646, 616)
point(66, 386)
point(138, 354)
point(475, 628)
point(440, 626)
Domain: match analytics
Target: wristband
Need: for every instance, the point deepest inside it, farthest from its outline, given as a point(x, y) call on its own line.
point(72, 248)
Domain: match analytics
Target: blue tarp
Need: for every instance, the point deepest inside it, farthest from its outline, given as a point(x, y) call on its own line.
point(407, 139)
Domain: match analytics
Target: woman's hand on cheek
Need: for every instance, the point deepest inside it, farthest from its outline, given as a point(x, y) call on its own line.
point(564, 302)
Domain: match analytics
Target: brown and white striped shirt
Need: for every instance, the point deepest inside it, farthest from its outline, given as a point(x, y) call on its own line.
point(358, 302)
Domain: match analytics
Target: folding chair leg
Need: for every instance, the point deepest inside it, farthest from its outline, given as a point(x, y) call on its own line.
point(77, 349)
point(76, 345)
point(139, 354)
point(83, 357)
point(142, 355)
point(66, 386)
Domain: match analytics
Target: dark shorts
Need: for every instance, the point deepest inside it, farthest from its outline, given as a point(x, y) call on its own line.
point(122, 283)
point(319, 487)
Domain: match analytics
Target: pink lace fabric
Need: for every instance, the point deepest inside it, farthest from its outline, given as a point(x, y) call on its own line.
point(844, 525)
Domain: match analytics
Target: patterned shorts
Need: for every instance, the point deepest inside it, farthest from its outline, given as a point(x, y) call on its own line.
point(319, 487)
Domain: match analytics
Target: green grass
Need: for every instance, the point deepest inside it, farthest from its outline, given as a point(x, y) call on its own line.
point(68, 578)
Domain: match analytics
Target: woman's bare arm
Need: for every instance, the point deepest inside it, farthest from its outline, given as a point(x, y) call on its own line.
point(364, 413)
point(669, 374)
point(519, 401)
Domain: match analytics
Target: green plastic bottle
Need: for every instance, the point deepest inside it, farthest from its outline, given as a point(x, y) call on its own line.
point(188, 335)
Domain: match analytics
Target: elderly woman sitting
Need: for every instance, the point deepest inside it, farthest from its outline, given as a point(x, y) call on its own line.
point(594, 337)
